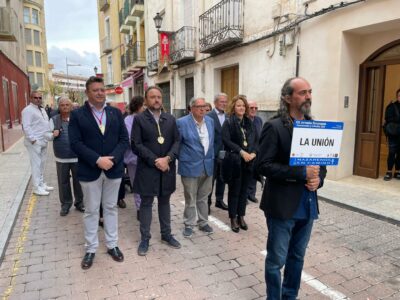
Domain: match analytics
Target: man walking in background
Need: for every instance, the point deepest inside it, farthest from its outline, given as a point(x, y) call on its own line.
point(35, 123)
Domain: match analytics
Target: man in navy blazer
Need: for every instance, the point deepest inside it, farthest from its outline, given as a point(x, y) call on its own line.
point(196, 165)
point(99, 138)
point(218, 115)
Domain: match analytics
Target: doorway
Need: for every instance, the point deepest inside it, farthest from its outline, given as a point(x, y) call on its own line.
point(189, 91)
point(379, 81)
point(166, 96)
point(230, 81)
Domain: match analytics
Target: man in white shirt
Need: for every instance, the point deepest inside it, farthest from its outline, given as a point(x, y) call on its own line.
point(35, 124)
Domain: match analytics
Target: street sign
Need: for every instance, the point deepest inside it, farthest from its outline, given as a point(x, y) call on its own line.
point(119, 90)
point(316, 143)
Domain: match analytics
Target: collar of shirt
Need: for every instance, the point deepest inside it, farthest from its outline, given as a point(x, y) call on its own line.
point(156, 118)
point(198, 124)
point(219, 112)
point(95, 109)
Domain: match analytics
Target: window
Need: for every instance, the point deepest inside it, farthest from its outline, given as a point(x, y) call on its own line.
point(39, 79)
point(15, 101)
point(27, 15)
point(28, 36)
point(31, 77)
point(29, 57)
point(38, 59)
point(36, 38)
point(35, 16)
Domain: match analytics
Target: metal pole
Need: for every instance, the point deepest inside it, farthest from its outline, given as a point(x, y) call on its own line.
point(66, 64)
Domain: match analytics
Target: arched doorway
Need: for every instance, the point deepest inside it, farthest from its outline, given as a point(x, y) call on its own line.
point(379, 80)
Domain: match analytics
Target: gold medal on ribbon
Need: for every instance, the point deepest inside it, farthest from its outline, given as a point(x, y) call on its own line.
point(160, 140)
point(245, 143)
point(102, 128)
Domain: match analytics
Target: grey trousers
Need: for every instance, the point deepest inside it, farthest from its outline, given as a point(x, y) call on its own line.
point(196, 191)
point(64, 173)
point(104, 191)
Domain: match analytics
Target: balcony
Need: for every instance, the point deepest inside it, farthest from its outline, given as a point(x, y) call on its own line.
point(138, 55)
point(8, 25)
point(152, 58)
point(137, 8)
point(109, 78)
point(123, 64)
point(106, 46)
point(183, 47)
point(122, 27)
point(221, 26)
point(104, 5)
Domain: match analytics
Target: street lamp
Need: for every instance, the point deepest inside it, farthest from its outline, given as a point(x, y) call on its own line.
point(158, 21)
point(95, 70)
point(69, 65)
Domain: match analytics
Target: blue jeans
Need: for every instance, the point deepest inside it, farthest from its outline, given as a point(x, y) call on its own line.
point(286, 246)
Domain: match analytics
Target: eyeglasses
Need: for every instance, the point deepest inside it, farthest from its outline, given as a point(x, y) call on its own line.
point(38, 98)
point(200, 106)
point(256, 108)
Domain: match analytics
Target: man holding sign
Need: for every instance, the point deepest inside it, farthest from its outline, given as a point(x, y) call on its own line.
point(289, 200)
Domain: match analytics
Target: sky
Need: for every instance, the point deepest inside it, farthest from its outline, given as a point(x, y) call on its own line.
point(72, 33)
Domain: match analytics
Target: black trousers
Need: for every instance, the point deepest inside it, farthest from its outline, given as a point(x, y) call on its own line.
point(394, 153)
point(237, 192)
point(164, 216)
point(64, 172)
point(218, 183)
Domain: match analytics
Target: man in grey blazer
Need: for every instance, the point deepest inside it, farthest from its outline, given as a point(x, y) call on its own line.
point(196, 165)
point(218, 115)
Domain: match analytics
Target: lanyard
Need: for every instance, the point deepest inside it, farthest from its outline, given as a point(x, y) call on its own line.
point(101, 117)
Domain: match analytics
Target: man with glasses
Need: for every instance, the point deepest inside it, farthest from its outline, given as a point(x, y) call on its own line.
point(196, 165)
point(36, 127)
point(257, 121)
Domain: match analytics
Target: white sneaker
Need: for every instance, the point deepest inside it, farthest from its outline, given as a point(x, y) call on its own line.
point(41, 192)
point(46, 187)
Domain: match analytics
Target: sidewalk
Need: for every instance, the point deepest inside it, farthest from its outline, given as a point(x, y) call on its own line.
point(373, 197)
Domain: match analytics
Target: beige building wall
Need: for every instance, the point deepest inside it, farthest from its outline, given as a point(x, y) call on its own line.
point(36, 44)
point(15, 50)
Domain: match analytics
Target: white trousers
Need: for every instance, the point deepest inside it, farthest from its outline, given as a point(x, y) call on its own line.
point(37, 155)
point(104, 191)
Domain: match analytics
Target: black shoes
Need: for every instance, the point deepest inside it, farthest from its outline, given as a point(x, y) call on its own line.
point(171, 241)
point(234, 225)
point(242, 223)
point(252, 199)
point(80, 208)
point(220, 204)
point(396, 175)
point(87, 260)
point(121, 203)
point(137, 215)
point(388, 176)
point(116, 254)
point(143, 248)
point(64, 212)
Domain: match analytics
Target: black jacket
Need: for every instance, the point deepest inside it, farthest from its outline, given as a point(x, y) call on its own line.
point(285, 184)
point(150, 181)
point(391, 115)
point(232, 135)
point(217, 132)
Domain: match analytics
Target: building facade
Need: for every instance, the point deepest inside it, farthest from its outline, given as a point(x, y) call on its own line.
point(36, 44)
point(14, 87)
point(348, 52)
point(123, 48)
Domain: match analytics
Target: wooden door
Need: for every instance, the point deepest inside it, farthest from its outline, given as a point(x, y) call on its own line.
point(369, 123)
point(230, 81)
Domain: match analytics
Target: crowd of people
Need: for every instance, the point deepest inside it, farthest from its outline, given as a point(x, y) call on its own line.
point(213, 147)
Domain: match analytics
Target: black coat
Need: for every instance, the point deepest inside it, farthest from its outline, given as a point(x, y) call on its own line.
point(285, 184)
point(150, 181)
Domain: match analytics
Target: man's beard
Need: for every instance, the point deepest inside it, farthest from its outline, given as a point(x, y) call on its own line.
point(305, 108)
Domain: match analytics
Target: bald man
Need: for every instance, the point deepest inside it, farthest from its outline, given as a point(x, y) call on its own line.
point(66, 159)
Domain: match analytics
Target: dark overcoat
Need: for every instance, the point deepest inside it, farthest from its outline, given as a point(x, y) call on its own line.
point(218, 145)
point(150, 181)
point(285, 184)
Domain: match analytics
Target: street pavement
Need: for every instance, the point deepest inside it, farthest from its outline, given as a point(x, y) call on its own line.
point(351, 255)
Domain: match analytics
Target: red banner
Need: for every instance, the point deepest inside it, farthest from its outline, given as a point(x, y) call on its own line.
point(164, 44)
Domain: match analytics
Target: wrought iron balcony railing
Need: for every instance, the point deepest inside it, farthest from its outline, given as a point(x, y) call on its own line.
point(183, 45)
point(221, 26)
point(152, 57)
point(139, 52)
point(8, 24)
point(104, 5)
point(106, 46)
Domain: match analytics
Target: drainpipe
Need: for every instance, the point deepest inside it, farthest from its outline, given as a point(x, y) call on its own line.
point(297, 61)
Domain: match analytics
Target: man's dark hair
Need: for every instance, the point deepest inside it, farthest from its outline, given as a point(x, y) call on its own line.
point(135, 104)
point(93, 79)
point(153, 87)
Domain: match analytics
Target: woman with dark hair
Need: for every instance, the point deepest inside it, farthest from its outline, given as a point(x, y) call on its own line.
point(240, 143)
point(136, 105)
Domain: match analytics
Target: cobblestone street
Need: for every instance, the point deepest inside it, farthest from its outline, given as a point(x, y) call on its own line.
point(350, 256)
